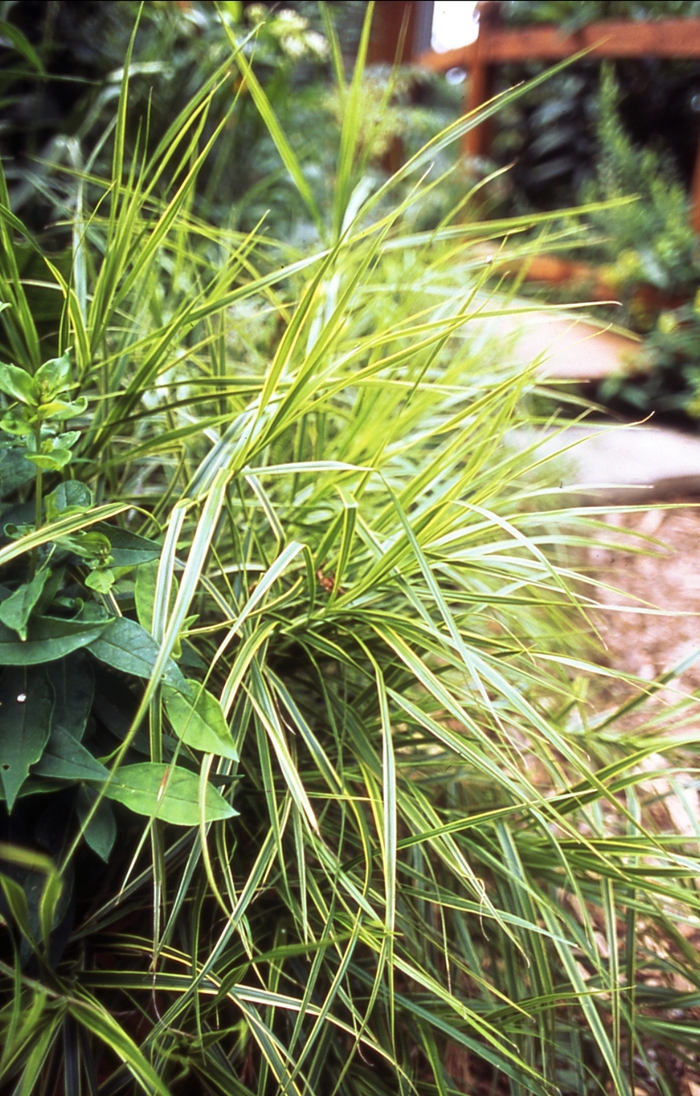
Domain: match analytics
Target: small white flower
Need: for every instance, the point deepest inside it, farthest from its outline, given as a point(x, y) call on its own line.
point(289, 20)
point(317, 43)
point(257, 13)
point(293, 47)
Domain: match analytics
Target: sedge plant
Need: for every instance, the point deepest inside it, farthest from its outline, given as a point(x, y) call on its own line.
point(301, 791)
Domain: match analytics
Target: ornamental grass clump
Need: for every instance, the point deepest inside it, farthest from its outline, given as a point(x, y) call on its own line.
point(302, 794)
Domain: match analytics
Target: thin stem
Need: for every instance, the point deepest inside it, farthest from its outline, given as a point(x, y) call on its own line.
point(38, 500)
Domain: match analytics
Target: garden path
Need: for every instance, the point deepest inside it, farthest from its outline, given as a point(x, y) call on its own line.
point(617, 463)
point(566, 345)
point(648, 615)
point(607, 463)
point(627, 465)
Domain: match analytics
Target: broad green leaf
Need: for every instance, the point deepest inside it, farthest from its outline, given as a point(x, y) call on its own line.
point(56, 458)
point(16, 383)
point(72, 495)
point(128, 647)
point(26, 703)
point(16, 610)
point(14, 423)
point(15, 470)
point(101, 580)
point(101, 831)
point(167, 792)
point(128, 549)
point(65, 758)
point(52, 377)
point(145, 592)
point(48, 639)
point(61, 410)
point(199, 721)
point(73, 681)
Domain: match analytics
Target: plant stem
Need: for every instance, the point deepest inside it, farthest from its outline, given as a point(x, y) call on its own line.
point(38, 500)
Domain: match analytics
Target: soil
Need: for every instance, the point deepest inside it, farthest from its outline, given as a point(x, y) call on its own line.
point(661, 578)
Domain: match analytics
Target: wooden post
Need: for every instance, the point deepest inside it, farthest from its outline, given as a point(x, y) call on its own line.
point(476, 142)
point(390, 42)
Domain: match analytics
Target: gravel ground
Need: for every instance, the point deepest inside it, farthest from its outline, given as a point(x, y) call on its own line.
point(666, 577)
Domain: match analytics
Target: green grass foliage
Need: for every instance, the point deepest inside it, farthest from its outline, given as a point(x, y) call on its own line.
point(303, 795)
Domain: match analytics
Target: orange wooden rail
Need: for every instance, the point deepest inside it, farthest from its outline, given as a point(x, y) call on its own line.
point(496, 45)
point(676, 38)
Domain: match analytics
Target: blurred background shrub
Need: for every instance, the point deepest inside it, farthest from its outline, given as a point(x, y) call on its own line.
point(60, 68)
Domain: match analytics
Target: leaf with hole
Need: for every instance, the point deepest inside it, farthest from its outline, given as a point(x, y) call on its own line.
point(26, 704)
point(167, 792)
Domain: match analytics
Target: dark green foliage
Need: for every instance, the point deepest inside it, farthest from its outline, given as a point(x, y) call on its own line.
point(572, 14)
point(52, 627)
point(653, 262)
point(664, 377)
point(649, 241)
point(55, 119)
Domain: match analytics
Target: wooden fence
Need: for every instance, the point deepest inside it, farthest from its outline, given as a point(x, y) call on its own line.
point(498, 45)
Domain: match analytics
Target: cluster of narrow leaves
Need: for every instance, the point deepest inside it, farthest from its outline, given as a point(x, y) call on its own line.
point(293, 563)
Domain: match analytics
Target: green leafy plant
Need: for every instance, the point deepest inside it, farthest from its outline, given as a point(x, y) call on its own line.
point(649, 241)
point(60, 98)
point(338, 600)
point(653, 264)
point(44, 619)
point(664, 377)
point(574, 14)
